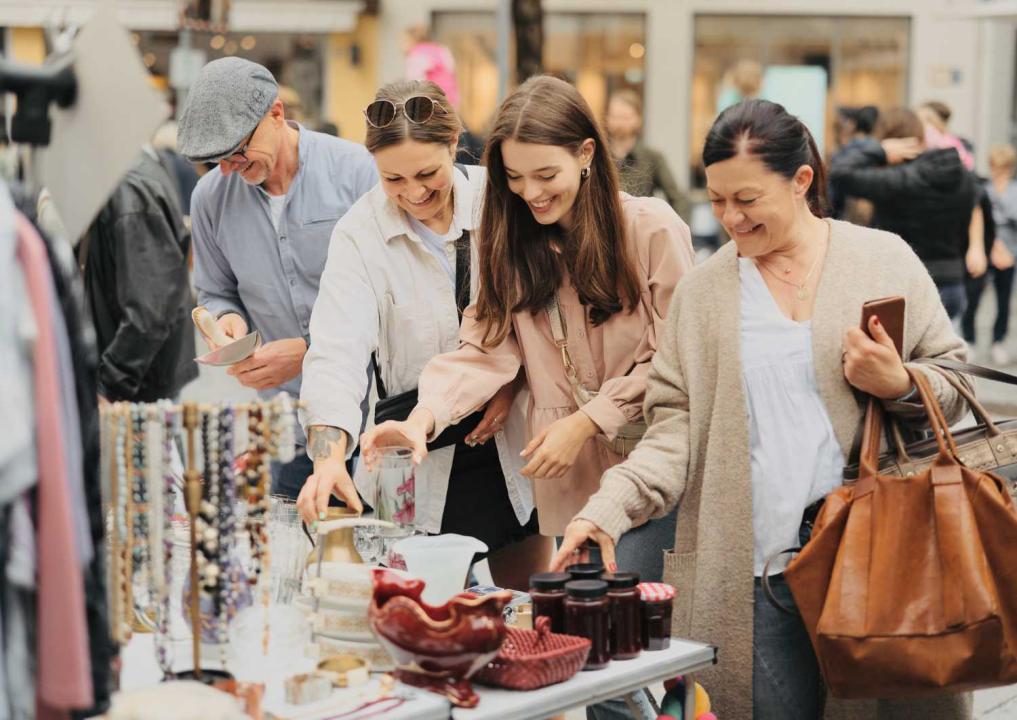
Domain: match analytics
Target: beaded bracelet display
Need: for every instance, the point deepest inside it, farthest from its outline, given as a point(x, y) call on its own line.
point(139, 491)
point(227, 598)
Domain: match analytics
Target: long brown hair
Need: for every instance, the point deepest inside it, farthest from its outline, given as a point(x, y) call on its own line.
point(443, 127)
point(519, 269)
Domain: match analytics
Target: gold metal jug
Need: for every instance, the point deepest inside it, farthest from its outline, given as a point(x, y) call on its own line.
point(339, 546)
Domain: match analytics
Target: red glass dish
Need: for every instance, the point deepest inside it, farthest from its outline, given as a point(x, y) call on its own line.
point(437, 648)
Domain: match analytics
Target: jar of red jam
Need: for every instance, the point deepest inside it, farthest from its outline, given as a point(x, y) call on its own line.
point(585, 571)
point(587, 615)
point(657, 599)
point(547, 593)
point(626, 608)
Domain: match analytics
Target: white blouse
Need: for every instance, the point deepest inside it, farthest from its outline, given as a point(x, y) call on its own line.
point(796, 458)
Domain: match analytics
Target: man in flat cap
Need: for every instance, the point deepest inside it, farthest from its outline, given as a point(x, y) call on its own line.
point(261, 222)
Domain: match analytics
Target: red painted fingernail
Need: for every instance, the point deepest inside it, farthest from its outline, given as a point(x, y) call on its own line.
point(876, 318)
point(613, 567)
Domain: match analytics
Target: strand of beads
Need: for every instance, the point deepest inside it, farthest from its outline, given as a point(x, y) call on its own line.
point(170, 430)
point(254, 490)
point(208, 516)
point(284, 436)
point(139, 535)
point(227, 599)
point(124, 521)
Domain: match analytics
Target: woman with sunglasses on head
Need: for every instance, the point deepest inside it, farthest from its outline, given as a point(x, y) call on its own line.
point(397, 277)
point(558, 239)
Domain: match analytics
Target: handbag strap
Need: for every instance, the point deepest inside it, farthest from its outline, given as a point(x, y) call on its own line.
point(559, 331)
point(463, 279)
point(943, 365)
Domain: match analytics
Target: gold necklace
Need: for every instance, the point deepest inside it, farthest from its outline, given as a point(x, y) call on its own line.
point(800, 292)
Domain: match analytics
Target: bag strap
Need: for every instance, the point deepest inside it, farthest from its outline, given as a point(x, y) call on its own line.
point(463, 278)
point(559, 331)
point(970, 369)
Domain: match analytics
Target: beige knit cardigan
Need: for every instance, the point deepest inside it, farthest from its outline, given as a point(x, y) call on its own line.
point(696, 451)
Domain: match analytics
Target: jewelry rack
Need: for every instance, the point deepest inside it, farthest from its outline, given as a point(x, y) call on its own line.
point(122, 487)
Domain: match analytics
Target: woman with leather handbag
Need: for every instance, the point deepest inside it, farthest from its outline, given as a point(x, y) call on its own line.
point(397, 279)
point(751, 408)
point(575, 277)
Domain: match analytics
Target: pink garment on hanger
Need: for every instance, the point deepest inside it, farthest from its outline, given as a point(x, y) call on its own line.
point(64, 679)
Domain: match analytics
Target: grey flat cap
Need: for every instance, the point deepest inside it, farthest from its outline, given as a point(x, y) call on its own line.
point(225, 104)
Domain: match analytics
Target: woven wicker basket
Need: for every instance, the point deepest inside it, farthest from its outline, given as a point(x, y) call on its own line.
point(531, 659)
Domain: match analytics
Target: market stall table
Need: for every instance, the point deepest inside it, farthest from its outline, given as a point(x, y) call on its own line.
point(621, 677)
point(140, 670)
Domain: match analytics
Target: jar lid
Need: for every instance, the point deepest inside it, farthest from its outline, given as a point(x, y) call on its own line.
point(656, 592)
point(619, 581)
point(586, 588)
point(585, 571)
point(549, 580)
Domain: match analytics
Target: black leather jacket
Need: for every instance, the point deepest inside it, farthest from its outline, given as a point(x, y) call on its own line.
point(135, 262)
point(927, 201)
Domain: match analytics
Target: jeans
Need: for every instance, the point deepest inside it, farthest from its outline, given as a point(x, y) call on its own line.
point(786, 682)
point(640, 550)
point(954, 298)
point(1002, 280)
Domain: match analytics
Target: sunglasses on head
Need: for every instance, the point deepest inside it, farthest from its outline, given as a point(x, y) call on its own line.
point(417, 109)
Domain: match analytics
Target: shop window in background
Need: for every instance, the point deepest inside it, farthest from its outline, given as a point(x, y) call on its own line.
point(295, 59)
point(813, 65)
point(598, 52)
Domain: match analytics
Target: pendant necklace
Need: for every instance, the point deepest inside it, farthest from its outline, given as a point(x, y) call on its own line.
point(800, 292)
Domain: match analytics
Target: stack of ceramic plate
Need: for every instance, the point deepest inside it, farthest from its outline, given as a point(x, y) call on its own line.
point(340, 624)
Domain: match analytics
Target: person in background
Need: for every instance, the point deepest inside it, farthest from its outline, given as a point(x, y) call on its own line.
point(430, 60)
point(183, 173)
point(744, 81)
point(936, 117)
point(925, 195)
point(853, 126)
point(261, 221)
point(134, 259)
point(752, 408)
point(642, 171)
point(1000, 218)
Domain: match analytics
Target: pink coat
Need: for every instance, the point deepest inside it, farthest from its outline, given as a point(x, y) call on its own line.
point(613, 357)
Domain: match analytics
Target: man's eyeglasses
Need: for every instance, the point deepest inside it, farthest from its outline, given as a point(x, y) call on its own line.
point(239, 154)
point(417, 109)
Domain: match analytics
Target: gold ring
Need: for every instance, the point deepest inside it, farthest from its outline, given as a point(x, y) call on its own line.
point(344, 670)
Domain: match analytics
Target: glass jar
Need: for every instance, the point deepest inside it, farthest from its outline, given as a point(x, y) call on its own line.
point(547, 593)
point(657, 599)
point(587, 615)
point(626, 608)
point(585, 571)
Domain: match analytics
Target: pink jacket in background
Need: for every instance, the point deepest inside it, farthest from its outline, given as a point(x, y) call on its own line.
point(434, 62)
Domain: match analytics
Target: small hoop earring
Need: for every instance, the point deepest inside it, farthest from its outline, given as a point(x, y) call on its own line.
point(585, 172)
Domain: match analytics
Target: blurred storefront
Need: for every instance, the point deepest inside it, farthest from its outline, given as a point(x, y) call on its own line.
point(678, 55)
point(322, 50)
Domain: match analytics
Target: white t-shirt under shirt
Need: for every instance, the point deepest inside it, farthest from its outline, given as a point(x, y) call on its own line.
point(443, 247)
point(795, 456)
point(275, 204)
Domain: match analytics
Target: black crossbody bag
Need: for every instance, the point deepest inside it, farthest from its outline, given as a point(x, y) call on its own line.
point(398, 407)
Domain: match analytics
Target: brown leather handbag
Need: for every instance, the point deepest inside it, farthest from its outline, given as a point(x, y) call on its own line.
point(908, 586)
